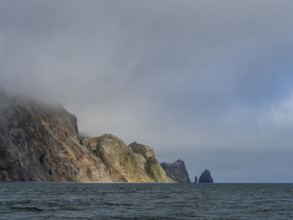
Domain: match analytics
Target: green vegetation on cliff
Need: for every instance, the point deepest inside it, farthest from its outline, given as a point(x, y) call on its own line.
point(152, 167)
point(41, 143)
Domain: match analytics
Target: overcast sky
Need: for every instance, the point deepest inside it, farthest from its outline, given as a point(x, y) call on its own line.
point(209, 82)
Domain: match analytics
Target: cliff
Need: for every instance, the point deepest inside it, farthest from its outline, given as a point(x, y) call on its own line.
point(40, 143)
point(176, 171)
point(146, 157)
point(121, 161)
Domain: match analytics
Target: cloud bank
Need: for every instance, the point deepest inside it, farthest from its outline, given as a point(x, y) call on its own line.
point(209, 82)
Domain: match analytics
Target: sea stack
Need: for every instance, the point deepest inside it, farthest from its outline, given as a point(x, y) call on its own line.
point(176, 171)
point(195, 179)
point(206, 177)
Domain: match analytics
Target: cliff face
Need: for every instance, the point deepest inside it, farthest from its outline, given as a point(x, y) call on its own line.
point(40, 143)
point(119, 158)
point(176, 171)
point(146, 157)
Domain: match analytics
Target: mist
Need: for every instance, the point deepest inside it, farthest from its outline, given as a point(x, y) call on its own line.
point(209, 82)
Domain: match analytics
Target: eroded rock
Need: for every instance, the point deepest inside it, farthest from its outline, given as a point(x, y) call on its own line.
point(176, 171)
point(206, 177)
point(151, 165)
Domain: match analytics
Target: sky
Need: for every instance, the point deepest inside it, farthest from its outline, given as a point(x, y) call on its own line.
point(207, 81)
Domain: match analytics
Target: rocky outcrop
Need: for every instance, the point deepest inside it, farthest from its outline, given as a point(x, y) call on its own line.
point(143, 150)
point(40, 143)
point(195, 179)
point(206, 177)
point(123, 163)
point(176, 171)
point(146, 157)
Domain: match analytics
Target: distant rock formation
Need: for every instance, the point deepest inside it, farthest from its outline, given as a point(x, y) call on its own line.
point(195, 179)
point(205, 177)
point(41, 143)
point(176, 171)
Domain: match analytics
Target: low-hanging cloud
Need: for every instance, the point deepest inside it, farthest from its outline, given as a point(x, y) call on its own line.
point(207, 81)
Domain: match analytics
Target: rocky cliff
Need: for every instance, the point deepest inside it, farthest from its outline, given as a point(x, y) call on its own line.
point(176, 171)
point(148, 162)
point(134, 163)
point(205, 177)
point(40, 143)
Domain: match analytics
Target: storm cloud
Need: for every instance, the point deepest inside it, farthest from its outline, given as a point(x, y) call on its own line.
point(209, 82)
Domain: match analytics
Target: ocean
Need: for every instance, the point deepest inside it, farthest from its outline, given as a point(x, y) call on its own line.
point(34, 200)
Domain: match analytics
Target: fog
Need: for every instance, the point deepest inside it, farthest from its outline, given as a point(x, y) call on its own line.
point(209, 82)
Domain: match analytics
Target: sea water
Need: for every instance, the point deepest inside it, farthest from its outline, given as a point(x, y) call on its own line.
point(145, 201)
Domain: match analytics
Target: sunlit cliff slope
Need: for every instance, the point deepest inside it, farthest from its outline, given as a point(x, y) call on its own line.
point(41, 143)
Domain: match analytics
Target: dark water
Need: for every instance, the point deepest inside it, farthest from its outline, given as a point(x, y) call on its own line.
point(145, 201)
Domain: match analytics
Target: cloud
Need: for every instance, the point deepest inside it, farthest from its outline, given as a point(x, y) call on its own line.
point(282, 113)
point(195, 79)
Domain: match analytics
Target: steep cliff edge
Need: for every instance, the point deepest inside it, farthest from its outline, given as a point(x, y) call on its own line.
point(148, 161)
point(176, 171)
point(40, 143)
point(119, 158)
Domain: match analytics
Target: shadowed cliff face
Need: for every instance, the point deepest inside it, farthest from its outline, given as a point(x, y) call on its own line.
point(176, 171)
point(206, 177)
point(40, 143)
